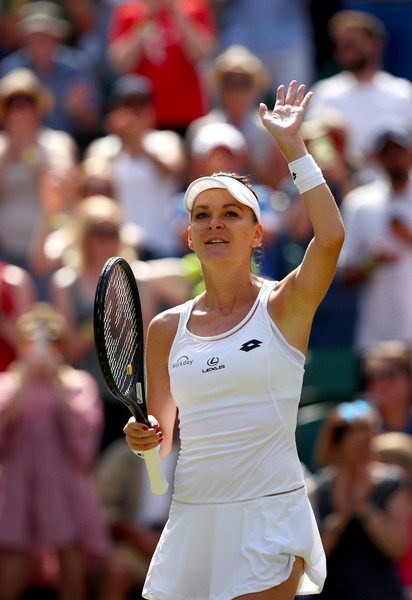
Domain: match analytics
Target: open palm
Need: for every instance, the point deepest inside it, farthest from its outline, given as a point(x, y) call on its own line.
point(288, 112)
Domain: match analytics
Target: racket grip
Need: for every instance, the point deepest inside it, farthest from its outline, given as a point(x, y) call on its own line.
point(158, 482)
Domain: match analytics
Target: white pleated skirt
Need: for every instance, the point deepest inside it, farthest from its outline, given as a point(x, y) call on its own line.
point(221, 551)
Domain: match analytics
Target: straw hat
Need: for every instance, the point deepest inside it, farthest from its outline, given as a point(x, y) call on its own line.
point(24, 81)
point(43, 17)
point(394, 447)
point(239, 59)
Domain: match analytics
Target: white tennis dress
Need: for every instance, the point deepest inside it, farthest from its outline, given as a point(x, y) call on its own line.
point(240, 511)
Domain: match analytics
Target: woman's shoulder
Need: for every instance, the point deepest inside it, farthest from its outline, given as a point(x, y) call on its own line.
point(166, 322)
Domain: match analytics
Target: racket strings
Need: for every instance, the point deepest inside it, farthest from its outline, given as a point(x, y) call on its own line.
point(121, 330)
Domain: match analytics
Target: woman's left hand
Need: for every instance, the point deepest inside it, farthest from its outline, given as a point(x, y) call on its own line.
point(287, 115)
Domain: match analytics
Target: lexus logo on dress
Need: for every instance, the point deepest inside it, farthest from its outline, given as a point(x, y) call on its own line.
point(213, 365)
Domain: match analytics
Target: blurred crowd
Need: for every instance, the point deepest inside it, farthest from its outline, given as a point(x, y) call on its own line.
point(108, 109)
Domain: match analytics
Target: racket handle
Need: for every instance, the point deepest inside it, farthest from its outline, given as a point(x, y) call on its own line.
point(158, 482)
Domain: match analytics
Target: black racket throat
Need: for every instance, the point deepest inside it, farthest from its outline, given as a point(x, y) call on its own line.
point(118, 335)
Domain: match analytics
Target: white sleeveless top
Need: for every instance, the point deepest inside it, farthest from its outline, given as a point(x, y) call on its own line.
point(237, 395)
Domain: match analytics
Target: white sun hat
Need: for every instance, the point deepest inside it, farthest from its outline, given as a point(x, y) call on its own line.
point(238, 190)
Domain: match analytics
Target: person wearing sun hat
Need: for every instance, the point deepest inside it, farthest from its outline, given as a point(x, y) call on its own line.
point(66, 71)
point(43, 16)
point(236, 81)
point(23, 82)
point(30, 153)
point(239, 59)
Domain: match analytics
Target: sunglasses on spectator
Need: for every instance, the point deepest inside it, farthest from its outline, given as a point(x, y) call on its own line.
point(134, 102)
point(384, 374)
point(20, 101)
point(237, 82)
point(104, 232)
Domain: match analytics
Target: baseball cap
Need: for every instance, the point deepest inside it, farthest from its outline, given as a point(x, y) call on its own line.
point(129, 86)
point(238, 190)
point(396, 132)
point(215, 135)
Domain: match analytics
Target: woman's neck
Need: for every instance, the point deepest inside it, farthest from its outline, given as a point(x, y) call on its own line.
point(225, 293)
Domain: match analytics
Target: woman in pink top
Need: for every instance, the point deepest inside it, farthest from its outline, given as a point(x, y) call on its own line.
point(50, 428)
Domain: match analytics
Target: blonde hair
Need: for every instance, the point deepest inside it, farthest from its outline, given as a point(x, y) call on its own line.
point(91, 212)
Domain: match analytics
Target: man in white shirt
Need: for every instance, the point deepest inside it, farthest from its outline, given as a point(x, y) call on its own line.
point(147, 164)
point(362, 92)
point(377, 253)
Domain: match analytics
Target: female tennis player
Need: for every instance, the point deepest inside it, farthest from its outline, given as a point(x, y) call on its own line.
point(231, 361)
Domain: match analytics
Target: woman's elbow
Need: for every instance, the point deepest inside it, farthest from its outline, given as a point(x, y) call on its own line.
point(334, 238)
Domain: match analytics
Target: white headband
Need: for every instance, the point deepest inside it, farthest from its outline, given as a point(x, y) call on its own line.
point(238, 190)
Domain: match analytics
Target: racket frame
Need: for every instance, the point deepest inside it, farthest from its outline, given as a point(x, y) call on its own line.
point(135, 399)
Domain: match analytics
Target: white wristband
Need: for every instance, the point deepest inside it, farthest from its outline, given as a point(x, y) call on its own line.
point(305, 173)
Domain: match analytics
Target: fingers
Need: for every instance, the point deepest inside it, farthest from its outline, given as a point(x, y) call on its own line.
point(280, 95)
point(140, 437)
point(306, 100)
point(290, 95)
point(300, 94)
point(293, 96)
point(263, 111)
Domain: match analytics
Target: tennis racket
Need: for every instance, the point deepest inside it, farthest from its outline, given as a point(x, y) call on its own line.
point(118, 336)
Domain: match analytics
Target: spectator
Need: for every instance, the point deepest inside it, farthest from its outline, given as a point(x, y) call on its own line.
point(9, 38)
point(88, 32)
point(395, 448)
point(362, 92)
point(147, 164)
point(387, 373)
point(362, 508)
point(91, 237)
point(279, 33)
point(17, 294)
point(91, 177)
point(237, 80)
point(66, 71)
point(51, 422)
point(377, 253)
point(166, 41)
point(396, 16)
point(327, 138)
point(29, 153)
